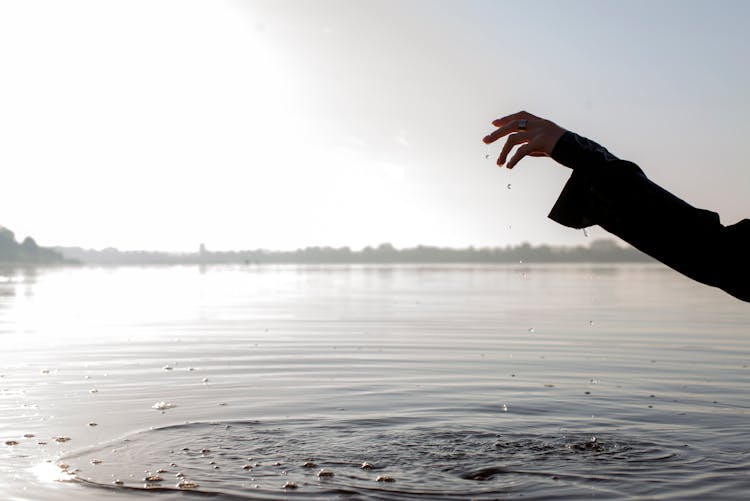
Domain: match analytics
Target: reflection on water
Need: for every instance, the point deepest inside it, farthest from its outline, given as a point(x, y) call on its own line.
point(450, 382)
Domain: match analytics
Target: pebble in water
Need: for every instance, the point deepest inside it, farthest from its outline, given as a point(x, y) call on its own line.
point(385, 478)
point(161, 470)
point(325, 473)
point(289, 485)
point(247, 467)
point(367, 466)
point(153, 478)
point(28, 435)
point(93, 424)
point(309, 464)
point(93, 390)
point(61, 439)
point(167, 368)
point(118, 482)
point(11, 442)
point(44, 371)
point(96, 461)
point(186, 484)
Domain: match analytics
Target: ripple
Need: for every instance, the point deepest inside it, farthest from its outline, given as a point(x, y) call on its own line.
point(406, 459)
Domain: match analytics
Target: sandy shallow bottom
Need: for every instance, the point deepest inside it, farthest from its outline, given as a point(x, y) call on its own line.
point(445, 382)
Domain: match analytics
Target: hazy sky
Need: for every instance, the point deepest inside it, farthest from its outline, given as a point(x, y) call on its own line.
point(278, 124)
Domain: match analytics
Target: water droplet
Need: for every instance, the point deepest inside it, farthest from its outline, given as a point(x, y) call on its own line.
point(585, 232)
point(591, 323)
point(504, 408)
point(384, 478)
point(163, 406)
point(531, 330)
point(508, 186)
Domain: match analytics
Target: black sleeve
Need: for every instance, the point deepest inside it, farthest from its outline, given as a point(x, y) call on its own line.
point(616, 195)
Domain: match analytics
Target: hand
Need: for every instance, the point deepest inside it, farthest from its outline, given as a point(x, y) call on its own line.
point(537, 138)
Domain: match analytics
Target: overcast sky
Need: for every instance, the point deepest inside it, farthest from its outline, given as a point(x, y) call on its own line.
point(278, 124)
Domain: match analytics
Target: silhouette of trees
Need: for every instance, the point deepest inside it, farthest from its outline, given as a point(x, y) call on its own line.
point(597, 251)
point(27, 252)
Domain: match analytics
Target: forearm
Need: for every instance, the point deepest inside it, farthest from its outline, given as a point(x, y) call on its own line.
point(617, 195)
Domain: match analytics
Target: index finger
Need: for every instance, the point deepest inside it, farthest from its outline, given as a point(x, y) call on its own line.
point(501, 122)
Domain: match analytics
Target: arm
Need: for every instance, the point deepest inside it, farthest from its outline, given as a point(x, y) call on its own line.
point(618, 196)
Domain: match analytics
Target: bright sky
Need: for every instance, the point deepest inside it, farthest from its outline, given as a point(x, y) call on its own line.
point(277, 124)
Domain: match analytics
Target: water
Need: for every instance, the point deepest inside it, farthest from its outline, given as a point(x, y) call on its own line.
point(245, 379)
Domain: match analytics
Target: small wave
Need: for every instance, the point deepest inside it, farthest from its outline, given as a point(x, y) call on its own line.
point(405, 459)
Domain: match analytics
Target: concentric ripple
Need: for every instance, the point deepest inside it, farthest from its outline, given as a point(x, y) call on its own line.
point(371, 459)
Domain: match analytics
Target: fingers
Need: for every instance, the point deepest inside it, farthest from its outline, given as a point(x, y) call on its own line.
point(526, 149)
point(512, 141)
point(509, 124)
point(504, 130)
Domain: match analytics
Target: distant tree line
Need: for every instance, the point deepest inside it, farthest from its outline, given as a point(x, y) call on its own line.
point(27, 252)
point(598, 251)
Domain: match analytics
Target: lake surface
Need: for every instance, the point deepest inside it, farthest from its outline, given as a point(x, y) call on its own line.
point(450, 382)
